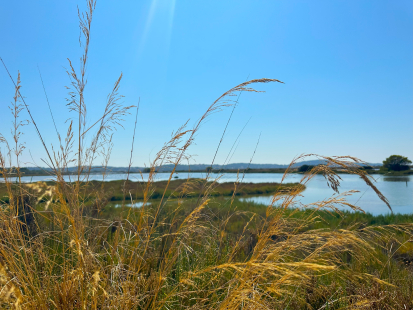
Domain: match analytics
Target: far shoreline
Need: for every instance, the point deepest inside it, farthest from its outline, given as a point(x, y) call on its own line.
point(219, 171)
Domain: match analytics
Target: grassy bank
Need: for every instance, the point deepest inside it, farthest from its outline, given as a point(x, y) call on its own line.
point(121, 190)
point(394, 173)
point(222, 205)
point(202, 249)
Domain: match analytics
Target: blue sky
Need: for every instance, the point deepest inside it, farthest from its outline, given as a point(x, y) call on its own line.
point(347, 68)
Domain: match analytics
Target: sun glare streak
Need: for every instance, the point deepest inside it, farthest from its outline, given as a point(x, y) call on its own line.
point(148, 23)
point(170, 23)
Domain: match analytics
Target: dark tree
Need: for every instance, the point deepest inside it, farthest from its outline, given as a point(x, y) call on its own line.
point(366, 167)
point(397, 163)
point(305, 168)
point(208, 169)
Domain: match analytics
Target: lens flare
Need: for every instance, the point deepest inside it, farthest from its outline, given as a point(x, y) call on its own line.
point(160, 16)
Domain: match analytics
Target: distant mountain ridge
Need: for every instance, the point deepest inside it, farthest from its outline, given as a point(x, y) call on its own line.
point(196, 167)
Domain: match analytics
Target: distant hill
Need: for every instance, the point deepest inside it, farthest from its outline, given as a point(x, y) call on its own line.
point(196, 167)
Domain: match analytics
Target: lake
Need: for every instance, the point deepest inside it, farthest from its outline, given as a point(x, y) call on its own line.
point(397, 189)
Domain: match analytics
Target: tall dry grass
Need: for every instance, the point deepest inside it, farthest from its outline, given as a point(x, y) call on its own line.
point(57, 251)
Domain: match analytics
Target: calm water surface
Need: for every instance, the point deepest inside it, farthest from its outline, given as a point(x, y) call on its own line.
point(397, 189)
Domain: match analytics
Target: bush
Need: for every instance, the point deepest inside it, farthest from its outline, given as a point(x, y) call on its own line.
point(305, 168)
point(397, 163)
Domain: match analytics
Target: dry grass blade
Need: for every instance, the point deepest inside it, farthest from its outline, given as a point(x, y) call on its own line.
point(381, 196)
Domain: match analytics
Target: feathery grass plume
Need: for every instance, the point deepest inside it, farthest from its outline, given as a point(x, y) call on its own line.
point(78, 81)
point(10, 295)
point(15, 108)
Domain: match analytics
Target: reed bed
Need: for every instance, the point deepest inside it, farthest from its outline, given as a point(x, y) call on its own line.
point(60, 250)
point(115, 190)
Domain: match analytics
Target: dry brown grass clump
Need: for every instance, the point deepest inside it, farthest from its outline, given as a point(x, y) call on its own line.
point(59, 252)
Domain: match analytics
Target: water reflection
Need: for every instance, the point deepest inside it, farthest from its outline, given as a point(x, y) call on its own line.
point(229, 177)
point(397, 179)
point(134, 205)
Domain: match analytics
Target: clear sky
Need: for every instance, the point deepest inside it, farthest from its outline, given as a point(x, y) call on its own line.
point(346, 64)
